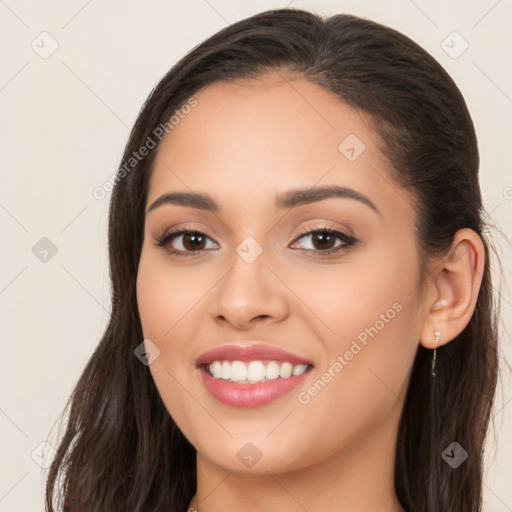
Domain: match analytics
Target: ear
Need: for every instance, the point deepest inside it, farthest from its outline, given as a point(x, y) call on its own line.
point(453, 288)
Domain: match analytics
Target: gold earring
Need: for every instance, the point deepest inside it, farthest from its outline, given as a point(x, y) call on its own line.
point(437, 334)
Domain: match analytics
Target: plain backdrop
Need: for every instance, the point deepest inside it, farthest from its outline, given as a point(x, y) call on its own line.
point(73, 77)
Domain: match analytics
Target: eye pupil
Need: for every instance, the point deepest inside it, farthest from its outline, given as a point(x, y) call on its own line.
point(323, 237)
point(196, 239)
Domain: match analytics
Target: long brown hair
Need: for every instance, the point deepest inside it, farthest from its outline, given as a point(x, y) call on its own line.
point(121, 450)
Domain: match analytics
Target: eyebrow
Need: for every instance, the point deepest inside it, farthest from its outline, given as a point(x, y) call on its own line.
point(289, 199)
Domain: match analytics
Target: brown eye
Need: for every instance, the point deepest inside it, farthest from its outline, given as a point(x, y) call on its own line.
point(193, 241)
point(324, 241)
point(184, 242)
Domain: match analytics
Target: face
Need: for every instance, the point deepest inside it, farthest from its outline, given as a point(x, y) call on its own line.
point(258, 280)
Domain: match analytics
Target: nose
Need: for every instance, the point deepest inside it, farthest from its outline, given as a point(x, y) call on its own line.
point(248, 294)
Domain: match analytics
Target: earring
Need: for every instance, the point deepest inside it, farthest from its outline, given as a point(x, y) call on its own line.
point(437, 334)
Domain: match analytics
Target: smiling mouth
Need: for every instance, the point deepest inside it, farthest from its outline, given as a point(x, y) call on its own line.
point(253, 372)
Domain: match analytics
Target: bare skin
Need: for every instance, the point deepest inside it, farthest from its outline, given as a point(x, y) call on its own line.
point(329, 450)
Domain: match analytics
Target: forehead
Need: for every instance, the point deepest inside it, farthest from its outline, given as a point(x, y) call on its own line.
point(263, 136)
point(276, 112)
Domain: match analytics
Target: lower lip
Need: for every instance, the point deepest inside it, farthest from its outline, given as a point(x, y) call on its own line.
point(250, 395)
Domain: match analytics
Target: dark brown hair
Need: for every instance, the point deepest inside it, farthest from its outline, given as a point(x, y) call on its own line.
point(121, 450)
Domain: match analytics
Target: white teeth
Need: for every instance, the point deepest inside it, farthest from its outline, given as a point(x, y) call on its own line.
point(272, 371)
point(216, 369)
point(226, 370)
point(254, 371)
point(238, 371)
point(299, 369)
point(286, 370)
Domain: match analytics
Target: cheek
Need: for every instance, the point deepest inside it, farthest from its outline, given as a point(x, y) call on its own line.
point(164, 299)
point(369, 313)
point(171, 303)
point(365, 288)
point(166, 295)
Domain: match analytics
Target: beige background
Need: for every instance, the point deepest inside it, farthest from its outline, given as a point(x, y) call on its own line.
point(64, 122)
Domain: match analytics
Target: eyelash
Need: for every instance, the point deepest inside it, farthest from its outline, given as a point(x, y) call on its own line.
point(348, 241)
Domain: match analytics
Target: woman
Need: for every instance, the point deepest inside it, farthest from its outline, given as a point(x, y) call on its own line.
point(302, 311)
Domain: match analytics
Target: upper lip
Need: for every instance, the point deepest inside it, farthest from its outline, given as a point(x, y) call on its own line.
point(253, 352)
